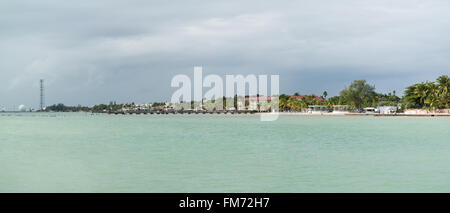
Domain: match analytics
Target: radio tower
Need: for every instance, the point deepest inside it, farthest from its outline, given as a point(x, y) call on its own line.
point(42, 95)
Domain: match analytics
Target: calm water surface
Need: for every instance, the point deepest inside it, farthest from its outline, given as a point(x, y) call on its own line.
point(80, 152)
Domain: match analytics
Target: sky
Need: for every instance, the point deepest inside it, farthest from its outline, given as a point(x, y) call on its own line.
point(97, 51)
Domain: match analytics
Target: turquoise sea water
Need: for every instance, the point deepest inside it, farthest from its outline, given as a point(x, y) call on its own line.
point(80, 152)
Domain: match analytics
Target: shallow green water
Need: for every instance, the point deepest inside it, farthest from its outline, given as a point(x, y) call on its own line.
point(78, 152)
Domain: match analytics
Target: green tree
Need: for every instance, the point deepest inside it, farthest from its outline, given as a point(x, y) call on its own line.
point(359, 94)
point(294, 104)
point(429, 95)
point(283, 102)
point(413, 96)
point(432, 96)
point(443, 84)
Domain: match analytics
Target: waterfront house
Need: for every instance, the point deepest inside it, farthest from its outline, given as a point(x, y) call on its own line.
point(387, 109)
point(341, 109)
point(317, 108)
point(254, 102)
point(370, 110)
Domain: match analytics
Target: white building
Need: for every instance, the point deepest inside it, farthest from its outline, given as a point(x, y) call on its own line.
point(387, 109)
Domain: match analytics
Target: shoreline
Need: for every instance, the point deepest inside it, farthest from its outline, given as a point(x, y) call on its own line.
point(362, 114)
point(261, 113)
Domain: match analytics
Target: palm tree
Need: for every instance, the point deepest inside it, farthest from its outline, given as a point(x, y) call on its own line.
point(294, 104)
point(303, 105)
point(432, 95)
point(311, 99)
point(443, 84)
point(429, 94)
point(290, 103)
point(283, 102)
point(413, 96)
point(421, 92)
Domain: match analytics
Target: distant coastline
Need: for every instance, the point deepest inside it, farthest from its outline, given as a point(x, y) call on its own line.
point(359, 98)
point(447, 114)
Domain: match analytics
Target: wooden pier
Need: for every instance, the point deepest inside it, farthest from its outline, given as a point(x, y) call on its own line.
point(189, 112)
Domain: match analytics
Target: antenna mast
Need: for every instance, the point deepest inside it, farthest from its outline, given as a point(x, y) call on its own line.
point(42, 95)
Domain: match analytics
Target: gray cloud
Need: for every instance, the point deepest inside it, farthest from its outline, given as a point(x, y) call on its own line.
point(95, 52)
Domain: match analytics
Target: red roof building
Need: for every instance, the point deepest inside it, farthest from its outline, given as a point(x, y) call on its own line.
point(262, 98)
point(268, 98)
point(300, 97)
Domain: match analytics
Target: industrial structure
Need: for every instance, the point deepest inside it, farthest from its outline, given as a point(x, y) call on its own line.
point(42, 104)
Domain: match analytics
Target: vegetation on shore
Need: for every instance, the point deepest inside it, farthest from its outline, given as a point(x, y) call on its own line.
point(358, 95)
point(428, 95)
point(63, 108)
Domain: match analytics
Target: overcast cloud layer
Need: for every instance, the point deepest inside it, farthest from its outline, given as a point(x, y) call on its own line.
point(93, 52)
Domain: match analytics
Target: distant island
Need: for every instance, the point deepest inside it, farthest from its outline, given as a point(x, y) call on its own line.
point(424, 97)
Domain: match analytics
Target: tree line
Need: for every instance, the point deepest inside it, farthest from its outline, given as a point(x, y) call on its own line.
point(428, 95)
point(63, 108)
point(359, 94)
